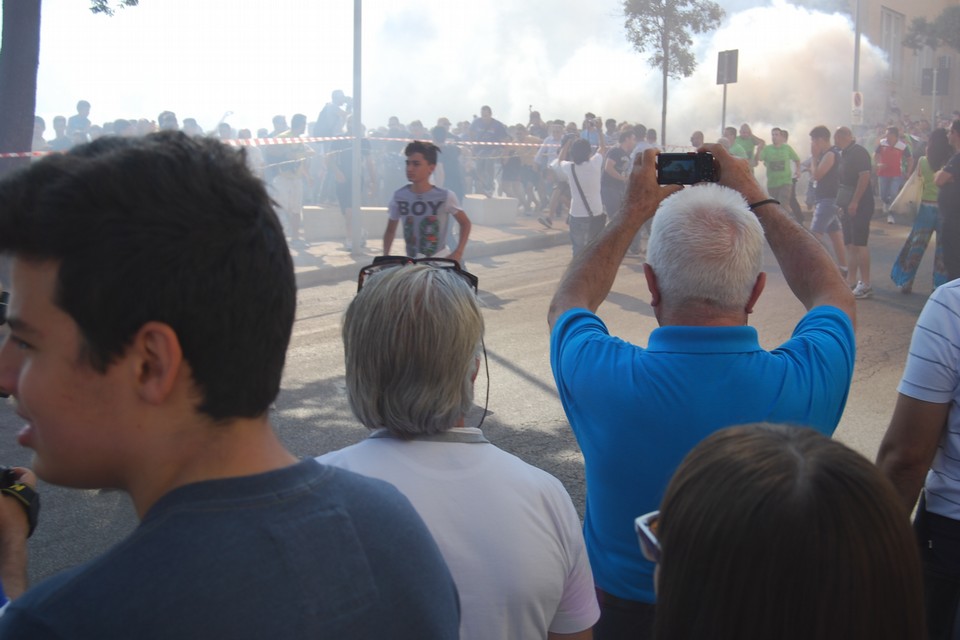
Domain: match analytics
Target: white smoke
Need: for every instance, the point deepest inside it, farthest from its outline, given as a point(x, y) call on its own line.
point(429, 58)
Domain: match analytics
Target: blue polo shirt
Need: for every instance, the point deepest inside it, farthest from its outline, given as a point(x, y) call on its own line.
point(637, 412)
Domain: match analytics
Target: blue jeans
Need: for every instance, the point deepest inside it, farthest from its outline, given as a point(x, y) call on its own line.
point(583, 229)
point(889, 188)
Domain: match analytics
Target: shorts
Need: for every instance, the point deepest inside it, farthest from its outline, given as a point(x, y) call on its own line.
point(825, 217)
point(856, 228)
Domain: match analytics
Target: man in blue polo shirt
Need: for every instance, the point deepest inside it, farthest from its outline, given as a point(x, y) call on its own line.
point(637, 411)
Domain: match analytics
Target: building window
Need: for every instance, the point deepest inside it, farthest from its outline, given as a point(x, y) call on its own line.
point(891, 40)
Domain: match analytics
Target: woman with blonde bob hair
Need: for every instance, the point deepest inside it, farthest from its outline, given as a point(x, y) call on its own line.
point(770, 531)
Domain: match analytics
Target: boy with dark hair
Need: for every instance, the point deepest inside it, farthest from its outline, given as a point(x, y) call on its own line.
point(152, 303)
point(425, 209)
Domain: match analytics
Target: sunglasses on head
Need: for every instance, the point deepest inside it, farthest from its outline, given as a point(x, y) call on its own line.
point(646, 526)
point(382, 263)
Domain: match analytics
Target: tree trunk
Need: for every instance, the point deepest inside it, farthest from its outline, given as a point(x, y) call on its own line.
point(19, 61)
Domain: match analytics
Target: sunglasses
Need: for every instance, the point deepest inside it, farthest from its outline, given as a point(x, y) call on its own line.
point(382, 263)
point(646, 527)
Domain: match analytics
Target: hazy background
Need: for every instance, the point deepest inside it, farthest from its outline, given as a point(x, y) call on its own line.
point(429, 58)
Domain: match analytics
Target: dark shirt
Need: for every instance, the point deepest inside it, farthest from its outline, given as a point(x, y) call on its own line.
point(492, 131)
point(300, 552)
point(948, 197)
point(828, 184)
point(853, 161)
point(621, 160)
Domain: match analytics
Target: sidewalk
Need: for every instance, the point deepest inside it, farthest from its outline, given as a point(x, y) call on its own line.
point(328, 261)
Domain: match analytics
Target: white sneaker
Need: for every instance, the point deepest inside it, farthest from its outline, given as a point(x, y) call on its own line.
point(862, 291)
point(891, 219)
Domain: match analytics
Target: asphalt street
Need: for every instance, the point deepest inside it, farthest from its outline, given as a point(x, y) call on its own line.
point(525, 416)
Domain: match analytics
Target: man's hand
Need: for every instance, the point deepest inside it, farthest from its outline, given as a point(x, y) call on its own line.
point(808, 269)
point(644, 195)
point(591, 274)
point(735, 173)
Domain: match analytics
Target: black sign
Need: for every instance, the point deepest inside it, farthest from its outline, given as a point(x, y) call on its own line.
point(727, 66)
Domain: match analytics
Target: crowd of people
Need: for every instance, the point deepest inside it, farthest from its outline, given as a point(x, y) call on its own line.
point(152, 299)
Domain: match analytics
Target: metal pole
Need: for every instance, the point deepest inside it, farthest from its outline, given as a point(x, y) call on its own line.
point(356, 130)
point(723, 115)
point(933, 96)
point(856, 51)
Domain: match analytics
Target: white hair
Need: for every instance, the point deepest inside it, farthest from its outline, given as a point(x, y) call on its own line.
point(706, 247)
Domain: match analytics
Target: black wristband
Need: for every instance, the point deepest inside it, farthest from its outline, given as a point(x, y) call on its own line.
point(28, 498)
point(753, 207)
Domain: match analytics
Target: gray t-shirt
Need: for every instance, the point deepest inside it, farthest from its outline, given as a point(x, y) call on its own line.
point(426, 219)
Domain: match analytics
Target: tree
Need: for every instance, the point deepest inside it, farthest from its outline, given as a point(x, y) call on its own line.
point(103, 6)
point(664, 27)
point(19, 61)
point(944, 30)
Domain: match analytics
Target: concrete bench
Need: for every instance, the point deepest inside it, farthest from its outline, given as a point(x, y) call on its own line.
point(491, 212)
point(326, 223)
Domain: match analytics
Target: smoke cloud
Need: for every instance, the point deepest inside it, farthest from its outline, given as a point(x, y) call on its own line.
point(431, 58)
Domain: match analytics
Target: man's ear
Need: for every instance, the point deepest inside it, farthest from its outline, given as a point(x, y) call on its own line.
point(652, 284)
point(757, 290)
point(158, 361)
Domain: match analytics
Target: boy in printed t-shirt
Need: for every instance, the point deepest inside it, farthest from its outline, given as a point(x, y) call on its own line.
point(425, 209)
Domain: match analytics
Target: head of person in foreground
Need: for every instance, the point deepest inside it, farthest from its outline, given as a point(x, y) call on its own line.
point(704, 257)
point(771, 531)
point(412, 343)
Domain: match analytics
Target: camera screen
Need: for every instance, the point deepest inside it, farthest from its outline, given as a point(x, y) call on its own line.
point(673, 170)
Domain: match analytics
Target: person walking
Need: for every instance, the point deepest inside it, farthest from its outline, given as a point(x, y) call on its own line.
point(928, 219)
point(948, 199)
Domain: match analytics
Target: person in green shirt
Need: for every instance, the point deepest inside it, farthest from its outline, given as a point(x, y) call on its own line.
point(782, 164)
point(733, 143)
point(752, 145)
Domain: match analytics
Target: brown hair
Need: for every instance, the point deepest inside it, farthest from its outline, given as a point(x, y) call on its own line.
point(769, 531)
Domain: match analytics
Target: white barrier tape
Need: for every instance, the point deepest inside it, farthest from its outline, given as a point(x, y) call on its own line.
point(266, 142)
point(26, 154)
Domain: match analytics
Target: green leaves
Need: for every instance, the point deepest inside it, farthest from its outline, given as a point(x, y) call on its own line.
point(103, 6)
point(663, 27)
point(944, 30)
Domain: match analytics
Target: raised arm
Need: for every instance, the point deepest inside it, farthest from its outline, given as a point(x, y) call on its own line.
point(808, 269)
point(590, 275)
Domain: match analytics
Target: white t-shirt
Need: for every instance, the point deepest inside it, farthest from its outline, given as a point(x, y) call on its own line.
point(508, 531)
point(588, 173)
point(931, 375)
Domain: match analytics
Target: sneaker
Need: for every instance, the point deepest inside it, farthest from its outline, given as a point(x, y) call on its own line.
point(891, 219)
point(862, 291)
point(545, 222)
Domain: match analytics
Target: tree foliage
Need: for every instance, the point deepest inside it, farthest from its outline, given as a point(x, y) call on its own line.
point(103, 6)
point(944, 30)
point(663, 28)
